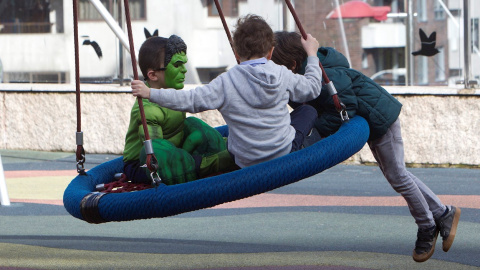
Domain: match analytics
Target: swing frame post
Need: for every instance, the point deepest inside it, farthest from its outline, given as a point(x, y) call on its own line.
point(4, 199)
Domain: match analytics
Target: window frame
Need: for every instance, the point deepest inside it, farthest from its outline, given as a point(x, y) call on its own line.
point(112, 7)
point(422, 14)
point(230, 8)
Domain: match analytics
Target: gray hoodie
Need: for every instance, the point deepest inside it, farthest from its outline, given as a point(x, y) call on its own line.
point(253, 102)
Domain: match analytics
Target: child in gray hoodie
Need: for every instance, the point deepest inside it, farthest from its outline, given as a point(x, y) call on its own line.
point(253, 96)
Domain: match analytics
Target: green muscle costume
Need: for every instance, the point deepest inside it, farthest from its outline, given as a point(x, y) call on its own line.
point(185, 148)
point(162, 123)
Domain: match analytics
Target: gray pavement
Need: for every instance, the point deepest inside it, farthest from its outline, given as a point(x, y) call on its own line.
point(45, 236)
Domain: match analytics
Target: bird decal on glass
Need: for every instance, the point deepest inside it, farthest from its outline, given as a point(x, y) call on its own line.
point(148, 35)
point(95, 46)
point(428, 44)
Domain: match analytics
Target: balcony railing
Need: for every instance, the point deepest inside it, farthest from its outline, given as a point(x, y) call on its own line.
point(25, 27)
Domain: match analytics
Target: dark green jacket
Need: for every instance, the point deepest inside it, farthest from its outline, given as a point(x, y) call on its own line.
point(359, 93)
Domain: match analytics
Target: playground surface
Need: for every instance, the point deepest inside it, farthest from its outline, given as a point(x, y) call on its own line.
point(345, 218)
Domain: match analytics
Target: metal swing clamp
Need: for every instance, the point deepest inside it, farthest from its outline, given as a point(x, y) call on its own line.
point(156, 180)
point(333, 91)
point(80, 167)
point(343, 113)
point(80, 161)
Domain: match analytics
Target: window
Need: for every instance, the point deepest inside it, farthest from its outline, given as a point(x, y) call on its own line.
point(364, 60)
point(35, 77)
point(438, 11)
point(440, 66)
point(475, 35)
point(88, 12)
point(25, 17)
point(206, 75)
point(1, 71)
point(422, 11)
point(229, 8)
point(422, 70)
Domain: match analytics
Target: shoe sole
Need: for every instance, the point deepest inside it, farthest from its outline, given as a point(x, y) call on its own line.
point(425, 256)
point(449, 241)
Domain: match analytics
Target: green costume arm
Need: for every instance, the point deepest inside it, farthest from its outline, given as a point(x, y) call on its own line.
point(201, 139)
point(155, 118)
point(161, 124)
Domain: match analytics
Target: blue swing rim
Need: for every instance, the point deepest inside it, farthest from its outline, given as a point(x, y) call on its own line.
point(83, 202)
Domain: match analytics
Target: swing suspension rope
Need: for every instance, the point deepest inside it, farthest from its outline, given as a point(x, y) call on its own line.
point(339, 106)
point(99, 207)
point(225, 26)
point(80, 152)
point(151, 162)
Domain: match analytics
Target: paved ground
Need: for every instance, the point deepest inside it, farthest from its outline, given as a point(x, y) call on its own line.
point(347, 217)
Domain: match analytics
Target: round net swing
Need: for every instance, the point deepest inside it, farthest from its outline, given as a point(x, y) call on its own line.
point(117, 202)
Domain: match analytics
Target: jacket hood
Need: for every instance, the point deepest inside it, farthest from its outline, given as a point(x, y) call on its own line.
point(261, 85)
point(329, 57)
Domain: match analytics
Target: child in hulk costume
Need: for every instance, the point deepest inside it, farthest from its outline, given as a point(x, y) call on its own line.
point(186, 148)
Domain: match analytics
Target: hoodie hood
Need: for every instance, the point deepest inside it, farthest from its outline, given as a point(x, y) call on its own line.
point(261, 85)
point(329, 57)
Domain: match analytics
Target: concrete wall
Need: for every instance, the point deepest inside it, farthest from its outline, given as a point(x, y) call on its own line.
point(439, 125)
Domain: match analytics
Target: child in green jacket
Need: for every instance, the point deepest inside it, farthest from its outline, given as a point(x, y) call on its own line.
point(365, 98)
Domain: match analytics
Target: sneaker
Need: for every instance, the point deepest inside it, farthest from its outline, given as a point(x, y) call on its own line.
point(447, 225)
point(425, 245)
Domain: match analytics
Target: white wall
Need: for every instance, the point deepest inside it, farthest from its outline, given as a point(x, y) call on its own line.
point(33, 52)
point(436, 128)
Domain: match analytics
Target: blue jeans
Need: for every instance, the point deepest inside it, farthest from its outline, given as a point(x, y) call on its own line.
point(423, 204)
point(302, 120)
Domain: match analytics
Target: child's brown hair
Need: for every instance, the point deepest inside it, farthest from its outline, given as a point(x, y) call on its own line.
point(253, 37)
point(289, 50)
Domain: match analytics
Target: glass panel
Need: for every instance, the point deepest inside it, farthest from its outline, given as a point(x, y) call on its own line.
point(229, 8)
point(440, 66)
point(418, 42)
point(88, 12)
point(422, 12)
point(212, 9)
point(18, 17)
point(384, 43)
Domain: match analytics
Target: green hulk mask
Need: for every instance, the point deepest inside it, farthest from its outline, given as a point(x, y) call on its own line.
point(175, 72)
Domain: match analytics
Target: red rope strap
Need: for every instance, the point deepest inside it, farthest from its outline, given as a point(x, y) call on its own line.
point(151, 163)
point(122, 185)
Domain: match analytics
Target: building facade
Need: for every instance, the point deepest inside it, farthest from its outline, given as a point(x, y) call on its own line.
point(36, 37)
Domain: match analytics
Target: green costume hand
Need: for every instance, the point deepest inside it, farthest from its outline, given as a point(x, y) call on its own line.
point(175, 165)
point(201, 139)
point(221, 162)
